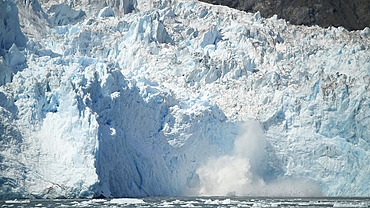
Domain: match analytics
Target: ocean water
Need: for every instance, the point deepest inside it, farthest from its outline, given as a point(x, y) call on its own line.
point(193, 202)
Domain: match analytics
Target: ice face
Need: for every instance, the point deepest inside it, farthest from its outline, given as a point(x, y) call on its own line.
point(11, 38)
point(10, 32)
point(154, 102)
point(63, 15)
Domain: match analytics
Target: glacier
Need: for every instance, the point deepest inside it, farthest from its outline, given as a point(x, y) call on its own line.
point(156, 98)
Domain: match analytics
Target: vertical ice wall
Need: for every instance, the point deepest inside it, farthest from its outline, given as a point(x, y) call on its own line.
point(137, 155)
point(77, 128)
point(137, 104)
point(9, 27)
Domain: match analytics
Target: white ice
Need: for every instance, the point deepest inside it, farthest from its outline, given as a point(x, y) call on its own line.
point(152, 100)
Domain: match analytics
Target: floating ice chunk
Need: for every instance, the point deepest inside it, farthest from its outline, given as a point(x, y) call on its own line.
point(226, 201)
point(257, 204)
point(217, 202)
point(16, 201)
point(127, 201)
point(343, 204)
point(208, 201)
point(97, 200)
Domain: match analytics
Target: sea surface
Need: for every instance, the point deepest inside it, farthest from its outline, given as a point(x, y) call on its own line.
point(192, 202)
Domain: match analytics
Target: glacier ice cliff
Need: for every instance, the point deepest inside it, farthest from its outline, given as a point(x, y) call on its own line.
point(148, 98)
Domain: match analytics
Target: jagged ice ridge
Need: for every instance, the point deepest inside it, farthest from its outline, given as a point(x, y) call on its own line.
point(138, 99)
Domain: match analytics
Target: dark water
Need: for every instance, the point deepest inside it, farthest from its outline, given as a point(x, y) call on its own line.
point(192, 202)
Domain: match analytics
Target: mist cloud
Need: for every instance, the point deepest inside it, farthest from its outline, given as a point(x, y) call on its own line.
point(239, 173)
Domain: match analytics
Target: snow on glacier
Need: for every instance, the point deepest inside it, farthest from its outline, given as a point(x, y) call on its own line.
point(153, 98)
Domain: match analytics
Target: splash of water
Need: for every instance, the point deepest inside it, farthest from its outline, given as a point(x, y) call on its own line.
point(238, 174)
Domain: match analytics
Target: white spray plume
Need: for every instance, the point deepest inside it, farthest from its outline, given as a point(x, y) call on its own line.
point(238, 174)
point(225, 175)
